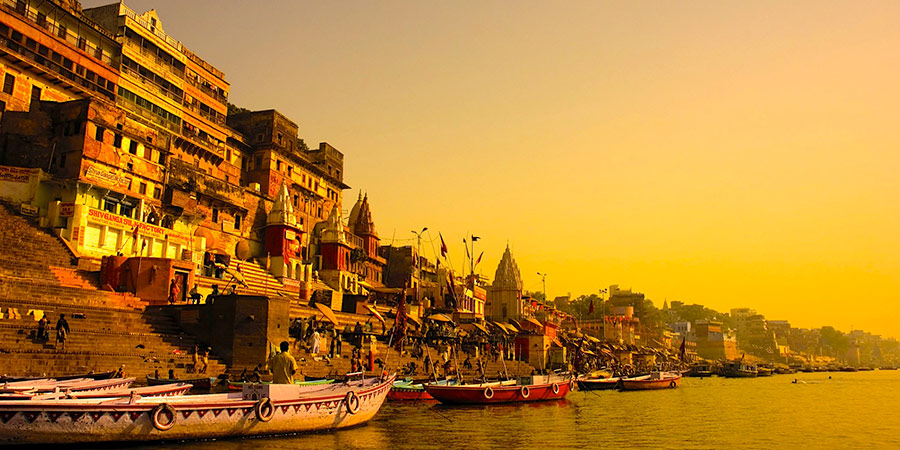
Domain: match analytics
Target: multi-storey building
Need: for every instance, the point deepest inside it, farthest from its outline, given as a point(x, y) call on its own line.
point(50, 51)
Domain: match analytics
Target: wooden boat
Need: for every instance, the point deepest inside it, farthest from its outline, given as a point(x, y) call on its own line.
point(596, 384)
point(237, 386)
point(700, 369)
point(655, 380)
point(89, 375)
point(764, 372)
point(738, 369)
point(202, 383)
point(531, 389)
point(257, 410)
point(76, 385)
point(165, 390)
point(405, 390)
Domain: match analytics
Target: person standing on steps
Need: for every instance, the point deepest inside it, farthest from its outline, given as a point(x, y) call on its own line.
point(62, 332)
point(173, 292)
point(43, 334)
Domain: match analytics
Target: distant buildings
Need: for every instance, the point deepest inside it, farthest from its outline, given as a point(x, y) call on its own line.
point(504, 296)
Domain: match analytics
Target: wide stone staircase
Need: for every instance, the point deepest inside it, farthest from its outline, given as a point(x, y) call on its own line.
point(257, 281)
point(38, 277)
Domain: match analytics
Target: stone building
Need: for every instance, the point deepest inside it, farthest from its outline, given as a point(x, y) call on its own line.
point(50, 51)
point(504, 297)
point(368, 263)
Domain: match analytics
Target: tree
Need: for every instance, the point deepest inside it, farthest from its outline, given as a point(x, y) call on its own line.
point(235, 109)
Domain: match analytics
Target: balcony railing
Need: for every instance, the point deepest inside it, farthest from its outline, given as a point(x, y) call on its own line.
point(62, 33)
point(61, 71)
point(155, 86)
point(207, 89)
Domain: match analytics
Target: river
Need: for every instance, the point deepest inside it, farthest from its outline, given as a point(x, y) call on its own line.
point(822, 410)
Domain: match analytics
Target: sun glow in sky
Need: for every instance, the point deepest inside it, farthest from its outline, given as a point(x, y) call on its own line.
point(724, 153)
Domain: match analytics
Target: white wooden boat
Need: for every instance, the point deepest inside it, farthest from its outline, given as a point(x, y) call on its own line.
point(21, 390)
point(257, 410)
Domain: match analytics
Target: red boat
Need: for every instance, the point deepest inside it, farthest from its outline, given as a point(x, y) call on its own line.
point(656, 380)
point(486, 393)
point(406, 390)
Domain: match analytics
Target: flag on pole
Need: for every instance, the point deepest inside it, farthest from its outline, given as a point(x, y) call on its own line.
point(134, 233)
point(479, 258)
point(467, 248)
point(475, 238)
point(443, 247)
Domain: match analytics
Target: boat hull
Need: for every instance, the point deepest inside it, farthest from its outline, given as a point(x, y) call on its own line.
point(480, 395)
point(196, 417)
point(598, 384)
point(650, 384)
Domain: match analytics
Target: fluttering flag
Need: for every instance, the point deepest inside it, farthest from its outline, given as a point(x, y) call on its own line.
point(475, 238)
point(134, 233)
point(467, 249)
point(443, 247)
point(479, 258)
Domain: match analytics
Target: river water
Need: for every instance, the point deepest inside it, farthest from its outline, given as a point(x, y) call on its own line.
point(847, 410)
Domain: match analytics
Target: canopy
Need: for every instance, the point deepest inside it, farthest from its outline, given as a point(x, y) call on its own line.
point(374, 312)
point(481, 327)
point(499, 327)
point(414, 320)
point(534, 322)
point(512, 329)
point(327, 312)
point(591, 338)
point(439, 318)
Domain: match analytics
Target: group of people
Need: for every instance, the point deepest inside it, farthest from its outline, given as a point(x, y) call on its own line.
point(62, 331)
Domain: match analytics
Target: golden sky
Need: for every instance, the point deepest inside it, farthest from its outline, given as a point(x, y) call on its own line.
point(724, 153)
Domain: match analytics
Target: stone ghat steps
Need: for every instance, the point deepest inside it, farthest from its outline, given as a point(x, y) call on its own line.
point(21, 238)
point(259, 281)
point(97, 319)
point(68, 363)
point(13, 287)
point(344, 319)
point(67, 276)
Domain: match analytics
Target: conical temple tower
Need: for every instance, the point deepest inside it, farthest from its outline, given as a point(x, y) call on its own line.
point(505, 294)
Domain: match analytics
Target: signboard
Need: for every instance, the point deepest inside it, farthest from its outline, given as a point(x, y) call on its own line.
point(15, 174)
point(29, 210)
point(144, 229)
point(101, 175)
point(66, 209)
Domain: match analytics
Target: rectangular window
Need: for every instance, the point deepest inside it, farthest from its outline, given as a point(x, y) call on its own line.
point(35, 93)
point(148, 153)
point(162, 158)
point(61, 31)
point(278, 166)
point(142, 189)
point(9, 83)
point(237, 222)
point(82, 43)
point(117, 140)
point(110, 205)
point(157, 193)
point(98, 133)
point(132, 147)
point(215, 215)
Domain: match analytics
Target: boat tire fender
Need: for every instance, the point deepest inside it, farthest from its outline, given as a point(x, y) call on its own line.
point(163, 417)
point(555, 388)
point(352, 402)
point(673, 384)
point(524, 391)
point(264, 409)
point(488, 393)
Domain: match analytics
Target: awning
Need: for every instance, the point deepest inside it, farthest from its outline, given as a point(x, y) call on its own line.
point(499, 327)
point(415, 321)
point(374, 313)
point(481, 327)
point(327, 312)
point(385, 290)
point(592, 339)
point(512, 329)
point(439, 318)
point(534, 322)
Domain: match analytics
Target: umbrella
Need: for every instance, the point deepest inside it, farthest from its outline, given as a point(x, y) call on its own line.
point(375, 313)
point(439, 318)
point(327, 312)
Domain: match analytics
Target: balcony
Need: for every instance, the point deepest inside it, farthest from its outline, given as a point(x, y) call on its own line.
point(189, 178)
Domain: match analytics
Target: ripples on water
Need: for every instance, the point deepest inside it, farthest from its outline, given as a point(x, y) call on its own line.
point(850, 410)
